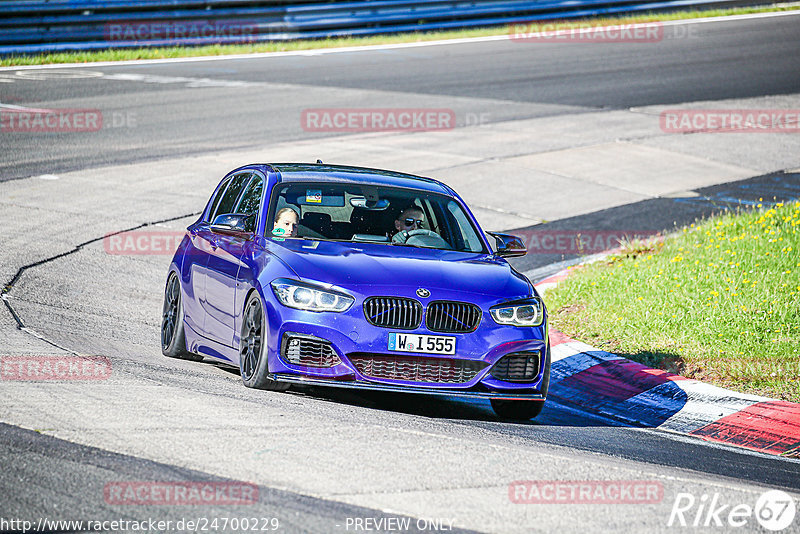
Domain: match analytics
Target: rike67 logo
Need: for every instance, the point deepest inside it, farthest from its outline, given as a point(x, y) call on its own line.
point(774, 511)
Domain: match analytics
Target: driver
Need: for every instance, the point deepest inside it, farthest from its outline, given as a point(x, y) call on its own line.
point(409, 219)
point(410, 231)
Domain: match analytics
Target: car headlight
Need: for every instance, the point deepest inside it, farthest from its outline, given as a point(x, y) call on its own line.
point(303, 296)
point(528, 312)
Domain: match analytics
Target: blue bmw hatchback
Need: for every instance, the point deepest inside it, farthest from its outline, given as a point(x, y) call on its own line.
point(360, 278)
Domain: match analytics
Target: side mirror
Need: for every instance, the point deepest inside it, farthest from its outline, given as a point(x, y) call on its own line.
point(236, 224)
point(508, 245)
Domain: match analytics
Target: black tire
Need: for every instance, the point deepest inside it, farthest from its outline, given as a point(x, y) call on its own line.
point(252, 349)
point(173, 339)
point(517, 410)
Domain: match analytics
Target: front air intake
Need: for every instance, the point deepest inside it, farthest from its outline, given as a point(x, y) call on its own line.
point(308, 351)
point(517, 367)
point(416, 368)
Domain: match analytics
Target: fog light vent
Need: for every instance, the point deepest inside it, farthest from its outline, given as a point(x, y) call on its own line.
point(517, 367)
point(308, 351)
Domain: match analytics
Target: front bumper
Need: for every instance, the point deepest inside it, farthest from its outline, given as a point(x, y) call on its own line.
point(349, 334)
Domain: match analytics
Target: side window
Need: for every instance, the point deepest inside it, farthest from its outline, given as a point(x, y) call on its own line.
point(219, 193)
point(251, 199)
point(472, 243)
point(250, 202)
point(230, 196)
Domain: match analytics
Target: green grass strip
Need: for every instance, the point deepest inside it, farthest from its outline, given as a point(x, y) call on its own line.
point(411, 37)
point(719, 302)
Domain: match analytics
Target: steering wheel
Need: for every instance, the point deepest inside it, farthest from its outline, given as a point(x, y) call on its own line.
point(421, 237)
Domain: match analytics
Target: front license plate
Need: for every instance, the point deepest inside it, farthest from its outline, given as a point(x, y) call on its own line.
point(422, 343)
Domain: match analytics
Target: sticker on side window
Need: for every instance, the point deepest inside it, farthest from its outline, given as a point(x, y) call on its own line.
point(314, 196)
point(279, 234)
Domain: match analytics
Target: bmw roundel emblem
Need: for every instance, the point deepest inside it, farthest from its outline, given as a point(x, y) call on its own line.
point(423, 293)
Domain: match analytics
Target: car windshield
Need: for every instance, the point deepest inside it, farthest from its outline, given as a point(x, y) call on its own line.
point(359, 213)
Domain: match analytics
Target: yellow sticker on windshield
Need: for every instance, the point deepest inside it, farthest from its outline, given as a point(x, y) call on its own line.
point(314, 196)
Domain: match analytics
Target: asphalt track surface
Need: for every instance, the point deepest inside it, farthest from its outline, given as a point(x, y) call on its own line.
point(504, 80)
point(317, 456)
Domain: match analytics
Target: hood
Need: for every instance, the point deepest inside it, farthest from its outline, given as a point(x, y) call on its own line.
point(359, 266)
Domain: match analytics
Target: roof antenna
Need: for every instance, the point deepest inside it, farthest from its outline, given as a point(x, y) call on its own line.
point(319, 161)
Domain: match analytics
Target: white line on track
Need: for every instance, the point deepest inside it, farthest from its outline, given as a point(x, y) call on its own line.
point(190, 82)
point(352, 49)
point(22, 109)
